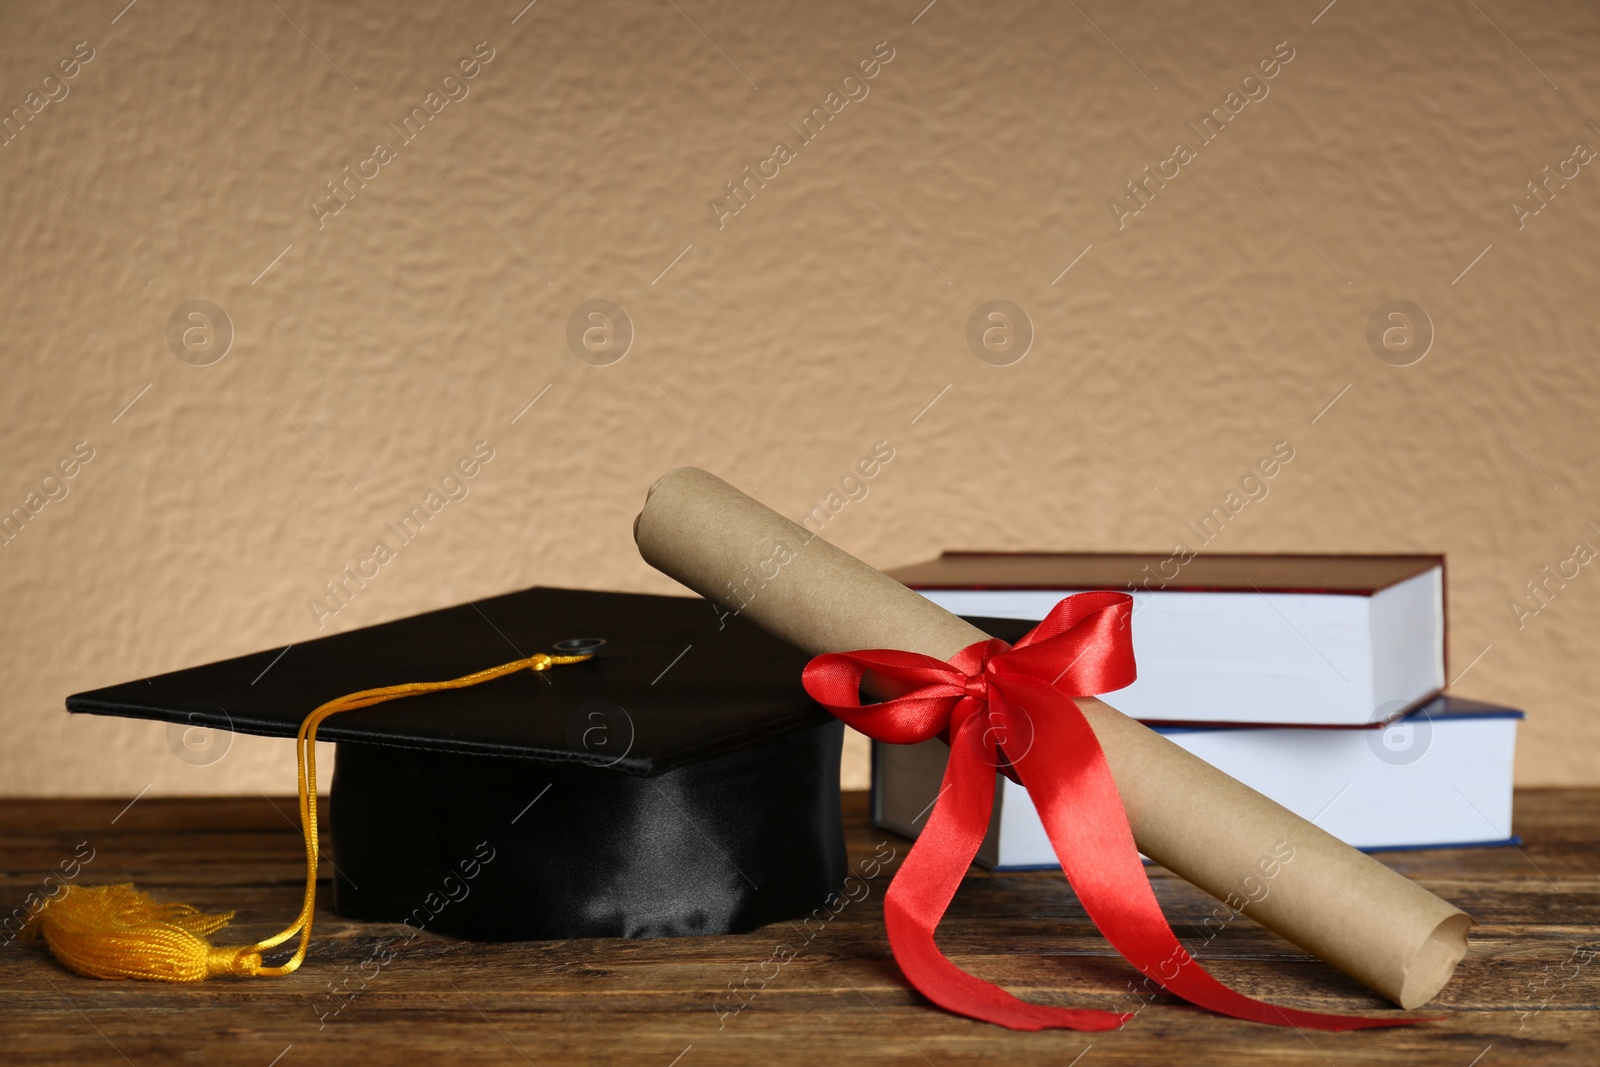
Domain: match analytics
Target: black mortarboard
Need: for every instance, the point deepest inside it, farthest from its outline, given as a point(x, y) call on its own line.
point(680, 782)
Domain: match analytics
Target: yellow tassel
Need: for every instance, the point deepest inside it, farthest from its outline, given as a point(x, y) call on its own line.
point(115, 931)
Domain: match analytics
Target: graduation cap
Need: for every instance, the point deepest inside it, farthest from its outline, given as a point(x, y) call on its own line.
point(666, 775)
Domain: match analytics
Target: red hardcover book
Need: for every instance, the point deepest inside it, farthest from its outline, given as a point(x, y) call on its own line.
point(1274, 639)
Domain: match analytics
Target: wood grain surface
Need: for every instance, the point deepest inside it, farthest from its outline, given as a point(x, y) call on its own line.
point(789, 993)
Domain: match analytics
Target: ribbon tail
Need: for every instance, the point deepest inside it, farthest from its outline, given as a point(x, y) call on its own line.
point(927, 881)
point(1066, 773)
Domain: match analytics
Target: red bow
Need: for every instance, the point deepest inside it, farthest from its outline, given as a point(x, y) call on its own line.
point(1010, 708)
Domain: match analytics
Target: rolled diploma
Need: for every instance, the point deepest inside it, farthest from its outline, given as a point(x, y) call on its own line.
point(1377, 926)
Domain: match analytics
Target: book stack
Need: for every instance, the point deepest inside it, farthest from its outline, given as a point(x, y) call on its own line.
point(1317, 680)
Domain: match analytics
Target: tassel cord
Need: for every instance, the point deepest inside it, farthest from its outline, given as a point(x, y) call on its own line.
point(120, 932)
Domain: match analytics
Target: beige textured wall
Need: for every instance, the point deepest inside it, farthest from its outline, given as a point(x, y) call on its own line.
point(376, 345)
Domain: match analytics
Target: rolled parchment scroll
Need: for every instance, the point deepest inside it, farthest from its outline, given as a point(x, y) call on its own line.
point(1373, 924)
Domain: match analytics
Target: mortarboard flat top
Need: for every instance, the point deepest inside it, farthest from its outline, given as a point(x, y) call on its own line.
point(690, 681)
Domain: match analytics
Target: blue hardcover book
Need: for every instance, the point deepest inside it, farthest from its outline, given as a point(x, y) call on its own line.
point(1439, 777)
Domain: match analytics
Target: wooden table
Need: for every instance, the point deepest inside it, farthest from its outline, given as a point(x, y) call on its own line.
point(1527, 992)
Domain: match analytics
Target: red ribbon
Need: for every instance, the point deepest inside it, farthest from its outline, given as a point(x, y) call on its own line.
point(980, 702)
